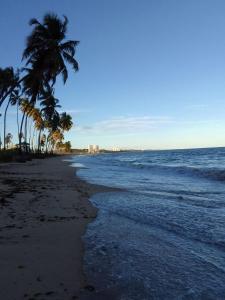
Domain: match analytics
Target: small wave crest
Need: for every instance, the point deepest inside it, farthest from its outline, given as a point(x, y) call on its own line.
point(209, 173)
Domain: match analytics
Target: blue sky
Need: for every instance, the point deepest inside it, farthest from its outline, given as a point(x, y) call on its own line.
point(152, 73)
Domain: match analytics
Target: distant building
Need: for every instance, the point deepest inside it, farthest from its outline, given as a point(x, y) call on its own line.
point(96, 148)
point(93, 149)
point(115, 149)
point(90, 148)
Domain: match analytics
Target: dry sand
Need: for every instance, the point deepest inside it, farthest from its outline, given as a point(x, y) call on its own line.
point(44, 211)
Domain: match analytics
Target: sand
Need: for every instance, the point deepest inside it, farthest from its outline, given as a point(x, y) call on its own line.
point(44, 211)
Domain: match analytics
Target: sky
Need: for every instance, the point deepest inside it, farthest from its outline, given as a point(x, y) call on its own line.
point(152, 72)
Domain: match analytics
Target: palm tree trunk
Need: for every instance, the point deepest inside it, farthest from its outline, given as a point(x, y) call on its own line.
point(39, 141)
point(21, 132)
point(30, 133)
point(26, 133)
point(7, 106)
point(17, 120)
point(21, 127)
point(47, 143)
point(33, 137)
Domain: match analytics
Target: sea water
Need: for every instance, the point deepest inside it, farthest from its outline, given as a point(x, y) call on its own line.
point(163, 235)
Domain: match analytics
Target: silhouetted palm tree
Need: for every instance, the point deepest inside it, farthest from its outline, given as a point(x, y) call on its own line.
point(13, 99)
point(49, 104)
point(8, 78)
point(65, 121)
point(46, 55)
point(47, 52)
point(26, 108)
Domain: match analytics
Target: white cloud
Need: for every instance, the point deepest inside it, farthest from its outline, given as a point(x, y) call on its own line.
point(124, 124)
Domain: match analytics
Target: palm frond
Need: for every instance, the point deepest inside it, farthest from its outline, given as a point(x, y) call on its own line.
point(33, 21)
point(69, 47)
point(71, 61)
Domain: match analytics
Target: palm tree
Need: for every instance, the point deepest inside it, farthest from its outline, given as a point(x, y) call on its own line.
point(13, 99)
point(56, 137)
point(26, 107)
point(66, 121)
point(11, 77)
point(37, 120)
point(8, 79)
point(50, 104)
point(47, 51)
point(33, 84)
point(39, 125)
point(46, 55)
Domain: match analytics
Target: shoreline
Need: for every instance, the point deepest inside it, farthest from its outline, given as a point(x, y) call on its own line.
point(45, 210)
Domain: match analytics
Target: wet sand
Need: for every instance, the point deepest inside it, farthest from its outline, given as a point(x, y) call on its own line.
point(44, 211)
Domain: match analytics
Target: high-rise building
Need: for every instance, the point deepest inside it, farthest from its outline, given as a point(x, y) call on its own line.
point(93, 149)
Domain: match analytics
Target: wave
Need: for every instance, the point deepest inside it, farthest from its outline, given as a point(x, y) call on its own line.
point(202, 166)
point(208, 173)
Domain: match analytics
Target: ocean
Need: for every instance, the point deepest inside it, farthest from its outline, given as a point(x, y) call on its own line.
point(162, 236)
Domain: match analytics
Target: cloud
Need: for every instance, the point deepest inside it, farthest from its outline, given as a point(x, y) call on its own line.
point(124, 124)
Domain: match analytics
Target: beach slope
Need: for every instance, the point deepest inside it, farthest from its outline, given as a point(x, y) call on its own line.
point(44, 211)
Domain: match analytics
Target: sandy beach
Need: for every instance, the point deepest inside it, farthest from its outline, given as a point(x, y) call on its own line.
point(44, 212)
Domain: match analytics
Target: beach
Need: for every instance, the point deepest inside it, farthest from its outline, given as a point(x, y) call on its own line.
point(44, 213)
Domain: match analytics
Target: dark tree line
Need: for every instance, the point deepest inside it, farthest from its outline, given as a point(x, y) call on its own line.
point(31, 88)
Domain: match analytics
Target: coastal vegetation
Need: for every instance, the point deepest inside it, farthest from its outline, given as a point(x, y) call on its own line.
point(30, 89)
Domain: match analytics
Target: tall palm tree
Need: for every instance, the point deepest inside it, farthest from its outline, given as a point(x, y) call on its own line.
point(46, 55)
point(47, 52)
point(13, 99)
point(26, 108)
point(8, 77)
